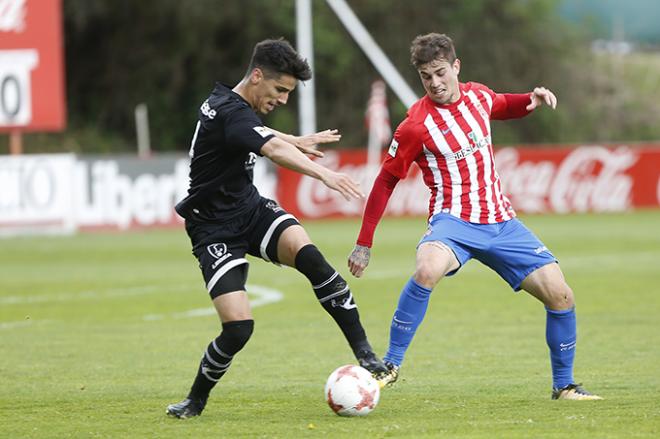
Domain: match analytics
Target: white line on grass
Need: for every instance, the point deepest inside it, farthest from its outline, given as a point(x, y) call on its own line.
point(87, 295)
point(264, 296)
point(23, 323)
point(12, 325)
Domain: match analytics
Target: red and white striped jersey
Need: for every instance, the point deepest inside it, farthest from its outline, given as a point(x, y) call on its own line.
point(452, 146)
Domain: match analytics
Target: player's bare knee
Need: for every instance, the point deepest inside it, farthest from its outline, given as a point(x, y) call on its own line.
point(559, 296)
point(428, 275)
point(292, 240)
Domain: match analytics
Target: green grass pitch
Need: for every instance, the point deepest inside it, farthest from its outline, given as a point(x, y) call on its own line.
point(99, 332)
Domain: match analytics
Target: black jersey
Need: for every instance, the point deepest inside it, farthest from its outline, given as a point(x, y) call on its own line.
point(226, 143)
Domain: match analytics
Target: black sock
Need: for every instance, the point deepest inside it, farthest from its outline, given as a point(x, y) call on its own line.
point(218, 356)
point(333, 294)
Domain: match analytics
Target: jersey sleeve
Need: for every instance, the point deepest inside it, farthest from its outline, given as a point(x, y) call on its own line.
point(506, 105)
point(376, 204)
point(405, 147)
point(243, 129)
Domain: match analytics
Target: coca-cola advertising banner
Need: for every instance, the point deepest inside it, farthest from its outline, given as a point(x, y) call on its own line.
point(560, 179)
point(32, 94)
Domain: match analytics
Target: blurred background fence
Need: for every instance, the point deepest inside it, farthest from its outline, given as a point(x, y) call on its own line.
point(92, 79)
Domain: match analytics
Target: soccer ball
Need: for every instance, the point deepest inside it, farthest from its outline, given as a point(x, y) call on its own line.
point(351, 391)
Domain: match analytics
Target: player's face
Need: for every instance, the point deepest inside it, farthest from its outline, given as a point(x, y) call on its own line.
point(273, 92)
point(440, 80)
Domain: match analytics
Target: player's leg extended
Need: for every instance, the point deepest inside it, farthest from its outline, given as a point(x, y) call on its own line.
point(237, 326)
point(434, 260)
point(295, 249)
point(233, 308)
point(548, 285)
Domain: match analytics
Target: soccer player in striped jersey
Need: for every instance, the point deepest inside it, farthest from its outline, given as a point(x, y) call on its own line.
point(448, 134)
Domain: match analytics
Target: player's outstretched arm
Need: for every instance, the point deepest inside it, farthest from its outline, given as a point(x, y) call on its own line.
point(540, 96)
point(287, 155)
point(308, 144)
point(373, 212)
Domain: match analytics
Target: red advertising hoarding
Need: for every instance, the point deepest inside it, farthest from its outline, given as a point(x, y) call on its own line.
point(31, 66)
point(559, 179)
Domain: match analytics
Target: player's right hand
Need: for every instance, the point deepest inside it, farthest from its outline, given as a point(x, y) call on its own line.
point(343, 184)
point(359, 259)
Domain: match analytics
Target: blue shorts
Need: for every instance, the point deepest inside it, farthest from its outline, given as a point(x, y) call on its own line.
point(509, 248)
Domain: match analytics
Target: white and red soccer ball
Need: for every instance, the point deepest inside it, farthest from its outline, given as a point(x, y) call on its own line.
point(351, 391)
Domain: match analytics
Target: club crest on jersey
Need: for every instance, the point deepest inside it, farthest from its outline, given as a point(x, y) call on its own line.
point(393, 147)
point(263, 131)
point(219, 251)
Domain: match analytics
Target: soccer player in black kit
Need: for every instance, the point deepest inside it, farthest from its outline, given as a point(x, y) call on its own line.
point(226, 217)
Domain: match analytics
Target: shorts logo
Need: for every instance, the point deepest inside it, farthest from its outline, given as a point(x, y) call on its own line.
point(218, 251)
point(272, 205)
point(540, 250)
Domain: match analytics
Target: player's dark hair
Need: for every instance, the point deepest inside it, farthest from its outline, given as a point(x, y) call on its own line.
point(278, 57)
point(426, 48)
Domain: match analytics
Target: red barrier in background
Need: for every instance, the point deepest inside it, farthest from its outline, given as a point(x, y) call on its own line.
point(561, 179)
point(32, 94)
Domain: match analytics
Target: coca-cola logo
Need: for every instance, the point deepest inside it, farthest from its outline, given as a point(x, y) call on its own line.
point(316, 200)
point(589, 178)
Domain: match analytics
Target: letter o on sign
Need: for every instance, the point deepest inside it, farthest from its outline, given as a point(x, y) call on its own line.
point(39, 186)
point(10, 96)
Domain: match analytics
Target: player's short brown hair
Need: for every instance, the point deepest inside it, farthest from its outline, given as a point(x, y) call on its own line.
point(426, 48)
point(277, 57)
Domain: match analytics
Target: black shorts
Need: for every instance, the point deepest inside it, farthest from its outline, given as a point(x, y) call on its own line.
point(221, 248)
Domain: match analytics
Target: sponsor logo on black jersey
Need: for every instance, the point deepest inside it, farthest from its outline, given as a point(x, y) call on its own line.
point(207, 110)
point(250, 162)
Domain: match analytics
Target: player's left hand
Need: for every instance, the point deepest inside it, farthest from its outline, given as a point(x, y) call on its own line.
point(359, 259)
point(308, 144)
point(542, 95)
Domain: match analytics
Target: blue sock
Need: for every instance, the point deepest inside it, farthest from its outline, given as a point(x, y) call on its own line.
point(409, 314)
point(561, 335)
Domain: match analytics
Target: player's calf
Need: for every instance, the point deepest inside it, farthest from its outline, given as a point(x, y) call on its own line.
point(214, 364)
point(335, 296)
